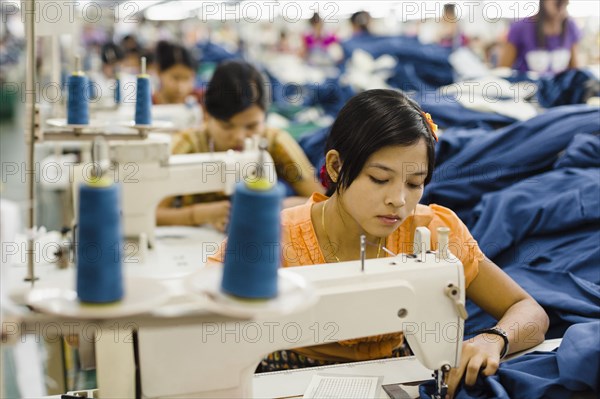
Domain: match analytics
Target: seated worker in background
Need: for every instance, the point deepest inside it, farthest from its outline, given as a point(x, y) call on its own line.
point(360, 21)
point(176, 73)
point(132, 52)
point(361, 33)
point(450, 34)
point(379, 157)
point(283, 45)
point(544, 43)
point(318, 43)
point(111, 56)
point(105, 80)
point(235, 104)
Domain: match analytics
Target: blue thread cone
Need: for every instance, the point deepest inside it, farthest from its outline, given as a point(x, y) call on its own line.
point(117, 91)
point(143, 101)
point(252, 256)
point(77, 102)
point(99, 244)
point(92, 92)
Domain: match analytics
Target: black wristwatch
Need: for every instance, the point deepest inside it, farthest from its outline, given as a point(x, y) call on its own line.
point(497, 331)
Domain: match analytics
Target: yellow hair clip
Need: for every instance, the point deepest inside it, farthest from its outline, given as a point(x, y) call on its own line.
point(432, 125)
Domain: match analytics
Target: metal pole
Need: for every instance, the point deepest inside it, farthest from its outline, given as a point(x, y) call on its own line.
point(29, 10)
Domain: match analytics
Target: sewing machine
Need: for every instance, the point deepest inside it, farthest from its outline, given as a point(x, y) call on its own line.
point(148, 174)
point(211, 365)
point(209, 348)
point(200, 343)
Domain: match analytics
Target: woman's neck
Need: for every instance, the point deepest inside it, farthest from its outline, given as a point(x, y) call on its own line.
point(553, 27)
point(344, 233)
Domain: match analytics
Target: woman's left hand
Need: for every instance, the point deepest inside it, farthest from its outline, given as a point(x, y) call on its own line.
point(480, 353)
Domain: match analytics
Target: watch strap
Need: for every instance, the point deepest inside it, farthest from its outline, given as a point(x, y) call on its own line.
point(500, 332)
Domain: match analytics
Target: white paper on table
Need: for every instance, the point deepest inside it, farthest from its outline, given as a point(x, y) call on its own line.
point(343, 386)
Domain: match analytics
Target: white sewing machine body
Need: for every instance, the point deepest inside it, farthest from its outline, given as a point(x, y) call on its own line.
point(148, 174)
point(205, 355)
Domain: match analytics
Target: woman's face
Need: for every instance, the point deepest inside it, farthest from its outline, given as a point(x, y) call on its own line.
point(556, 9)
point(388, 189)
point(176, 83)
point(231, 134)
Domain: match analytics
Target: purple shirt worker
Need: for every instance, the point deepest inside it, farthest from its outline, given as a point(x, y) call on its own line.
point(545, 43)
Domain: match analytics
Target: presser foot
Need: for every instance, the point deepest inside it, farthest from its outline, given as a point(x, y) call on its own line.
point(441, 378)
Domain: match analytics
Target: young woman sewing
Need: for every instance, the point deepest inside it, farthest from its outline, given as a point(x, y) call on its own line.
point(235, 107)
point(176, 73)
point(379, 157)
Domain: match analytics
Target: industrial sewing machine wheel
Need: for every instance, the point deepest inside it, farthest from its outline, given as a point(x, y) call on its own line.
point(295, 294)
point(142, 295)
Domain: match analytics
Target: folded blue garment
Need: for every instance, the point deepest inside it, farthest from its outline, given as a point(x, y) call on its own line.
point(582, 152)
point(573, 86)
point(420, 66)
point(573, 367)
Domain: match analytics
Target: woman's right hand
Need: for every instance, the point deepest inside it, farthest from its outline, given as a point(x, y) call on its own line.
point(213, 213)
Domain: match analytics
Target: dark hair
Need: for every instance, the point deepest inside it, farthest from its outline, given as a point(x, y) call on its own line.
point(111, 53)
point(171, 54)
point(150, 57)
point(130, 44)
point(234, 87)
point(449, 8)
point(370, 121)
point(315, 19)
point(361, 20)
point(539, 24)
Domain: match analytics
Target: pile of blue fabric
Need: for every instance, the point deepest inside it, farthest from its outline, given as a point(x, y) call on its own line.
point(570, 87)
point(330, 95)
point(490, 162)
point(530, 195)
point(421, 67)
point(573, 367)
point(313, 146)
point(463, 124)
point(573, 86)
point(209, 52)
point(448, 112)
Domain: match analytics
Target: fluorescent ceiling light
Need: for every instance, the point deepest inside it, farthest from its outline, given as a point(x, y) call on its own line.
point(172, 10)
point(130, 8)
